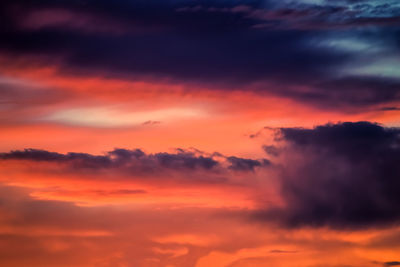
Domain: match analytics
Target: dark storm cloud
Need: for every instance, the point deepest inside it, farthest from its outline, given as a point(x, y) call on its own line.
point(344, 175)
point(223, 44)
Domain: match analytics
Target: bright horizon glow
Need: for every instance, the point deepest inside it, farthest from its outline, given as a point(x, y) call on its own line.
point(114, 117)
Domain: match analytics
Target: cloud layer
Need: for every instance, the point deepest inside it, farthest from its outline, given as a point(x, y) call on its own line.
point(311, 58)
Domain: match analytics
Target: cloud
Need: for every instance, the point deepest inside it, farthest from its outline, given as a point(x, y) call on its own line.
point(241, 164)
point(210, 44)
point(312, 16)
point(271, 150)
point(136, 161)
point(151, 122)
point(282, 251)
point(81, 160)
point(26, 99)
point(361, 90)
point(48, 18)
point(343, 175)
point(390, 109)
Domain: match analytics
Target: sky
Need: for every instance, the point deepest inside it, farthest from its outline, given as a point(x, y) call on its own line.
point(200, 133)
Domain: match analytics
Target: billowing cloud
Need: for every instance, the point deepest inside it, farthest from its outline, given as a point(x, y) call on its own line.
point(341, 175)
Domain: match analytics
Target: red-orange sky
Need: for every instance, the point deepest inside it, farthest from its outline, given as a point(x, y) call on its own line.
point(188, 133)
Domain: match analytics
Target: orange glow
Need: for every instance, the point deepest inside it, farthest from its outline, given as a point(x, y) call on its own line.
point(55, 214)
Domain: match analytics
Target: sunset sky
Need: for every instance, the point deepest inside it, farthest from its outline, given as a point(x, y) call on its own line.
point(199, 133)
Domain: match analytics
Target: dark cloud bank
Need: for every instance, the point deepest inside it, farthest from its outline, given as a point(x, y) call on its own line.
point(344, 175)
point(264, 46)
